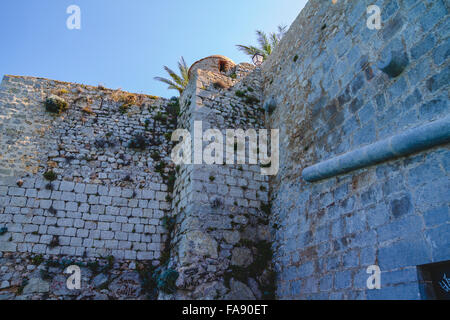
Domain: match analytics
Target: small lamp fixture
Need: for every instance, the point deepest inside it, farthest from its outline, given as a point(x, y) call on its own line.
point(258, 59)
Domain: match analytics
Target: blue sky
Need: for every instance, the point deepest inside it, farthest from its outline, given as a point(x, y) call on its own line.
point(125, 43)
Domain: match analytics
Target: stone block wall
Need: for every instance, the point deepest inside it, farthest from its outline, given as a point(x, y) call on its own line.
point(331, 98)
point(227, 231)
point(108, 198)
point(221, 241)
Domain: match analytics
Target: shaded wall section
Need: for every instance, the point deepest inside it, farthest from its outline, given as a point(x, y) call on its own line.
point(331, 99)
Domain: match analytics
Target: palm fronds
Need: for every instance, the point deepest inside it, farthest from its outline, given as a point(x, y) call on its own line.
point(267, 43)
point(177, 82)
point(249, 50)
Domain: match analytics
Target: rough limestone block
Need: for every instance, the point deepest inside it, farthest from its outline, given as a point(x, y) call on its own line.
point(91, 189)
point(66, 186)
point(68, 196)
point(80, 188)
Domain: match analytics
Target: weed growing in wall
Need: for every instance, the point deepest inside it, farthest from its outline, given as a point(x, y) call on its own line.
point(37, 260)
point(160, 117)
point(173, 107)
point(87, 110)
point(50, 176)
point(171, 181)
point(139, 142)
point(166, 281)
point(160, 167)
point(266, 208)
point(168, 136)
point(168, 223)
point(251, 100)
point(61, 92)
point(149, 281)
point(45, 275)
point(155, 156)
point(240, 94)
point(55, 104)
point(54, 243)
point(124, 108)
point(146, 124)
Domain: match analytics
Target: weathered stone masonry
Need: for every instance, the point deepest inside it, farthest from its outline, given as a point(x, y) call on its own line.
point(108, 199)
point(331, 99)
point(226, 231)
point(221, 244)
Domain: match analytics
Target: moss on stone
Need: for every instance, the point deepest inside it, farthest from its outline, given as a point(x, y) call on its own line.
point(50, 175)
point(240, 94)
point(55, 104)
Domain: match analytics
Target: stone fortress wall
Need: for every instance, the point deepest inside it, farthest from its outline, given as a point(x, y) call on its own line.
point(226, 231)
point(108, 198)
point(332, 98)
point(221, 243)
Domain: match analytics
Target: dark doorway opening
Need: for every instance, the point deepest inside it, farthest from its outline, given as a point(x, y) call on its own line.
point(222, 66)
point(435, 281)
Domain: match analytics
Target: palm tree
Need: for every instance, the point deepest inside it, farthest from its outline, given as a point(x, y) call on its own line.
point(267, 43)
point(177, 82)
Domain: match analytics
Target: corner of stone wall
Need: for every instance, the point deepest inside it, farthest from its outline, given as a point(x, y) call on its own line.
point(221, 244)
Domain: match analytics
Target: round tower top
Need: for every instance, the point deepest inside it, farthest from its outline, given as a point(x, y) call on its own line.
point(215, 63)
